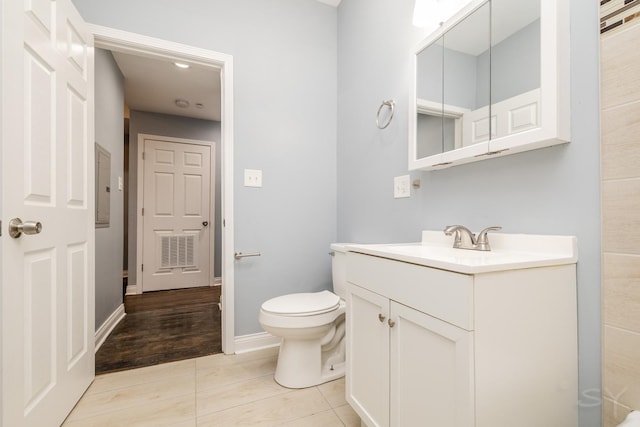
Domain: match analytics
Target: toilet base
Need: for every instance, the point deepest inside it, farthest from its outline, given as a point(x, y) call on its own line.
point(312, 349)
point(299, 365)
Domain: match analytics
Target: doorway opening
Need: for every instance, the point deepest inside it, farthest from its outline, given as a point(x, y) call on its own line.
point(148, 47)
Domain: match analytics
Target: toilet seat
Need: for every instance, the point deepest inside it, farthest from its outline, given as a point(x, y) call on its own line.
point(302, 304)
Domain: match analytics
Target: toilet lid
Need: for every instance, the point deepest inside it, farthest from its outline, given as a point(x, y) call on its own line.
point(303, 304)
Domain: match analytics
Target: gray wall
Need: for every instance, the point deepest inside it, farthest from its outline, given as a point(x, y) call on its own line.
point(515, 65)
point(109, 86)
point(548, 191)
point(176, 127)
point(515, 69)
point(439, 67)
point(285, 83)
point(286, 89)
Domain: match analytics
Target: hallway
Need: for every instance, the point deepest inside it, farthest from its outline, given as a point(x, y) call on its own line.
point(162, 327)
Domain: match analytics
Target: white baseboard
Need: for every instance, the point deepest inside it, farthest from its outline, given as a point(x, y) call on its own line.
point(253, 342)
point(217, 281)
point(131, 290)
point(105, 329)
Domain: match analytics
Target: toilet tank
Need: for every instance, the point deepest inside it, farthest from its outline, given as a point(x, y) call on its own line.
point(339, 269)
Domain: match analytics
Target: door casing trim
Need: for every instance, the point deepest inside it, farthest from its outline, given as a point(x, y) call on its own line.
point(132, 43)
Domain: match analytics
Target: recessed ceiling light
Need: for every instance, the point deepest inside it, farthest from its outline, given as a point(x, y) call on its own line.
point(182, 103)
point(181, 65)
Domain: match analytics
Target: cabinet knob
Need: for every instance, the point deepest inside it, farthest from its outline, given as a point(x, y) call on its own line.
point(381, 317)
point(391, 323)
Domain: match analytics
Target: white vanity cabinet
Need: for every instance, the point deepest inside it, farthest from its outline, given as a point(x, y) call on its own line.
point(431, 347)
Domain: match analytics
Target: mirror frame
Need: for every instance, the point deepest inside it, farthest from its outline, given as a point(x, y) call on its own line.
point(554, 114)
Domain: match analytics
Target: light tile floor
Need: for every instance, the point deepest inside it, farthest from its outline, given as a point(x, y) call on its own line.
point(216, 390)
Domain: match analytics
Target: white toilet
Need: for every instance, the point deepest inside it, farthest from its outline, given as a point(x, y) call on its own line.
point(312, 329)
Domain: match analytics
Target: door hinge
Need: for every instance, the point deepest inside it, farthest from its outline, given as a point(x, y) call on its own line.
point(141, 267)
point(224, 223)
point(142, 211)
point(0, 228)
point(143, 155)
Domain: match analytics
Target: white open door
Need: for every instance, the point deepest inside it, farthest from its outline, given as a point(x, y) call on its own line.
point(47, 178)
point(176, 214)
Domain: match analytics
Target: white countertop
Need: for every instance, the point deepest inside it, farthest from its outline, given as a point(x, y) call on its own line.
point(508, 252)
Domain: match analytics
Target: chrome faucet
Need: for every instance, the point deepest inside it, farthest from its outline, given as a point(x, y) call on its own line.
point(465, 239)
point(482, 243)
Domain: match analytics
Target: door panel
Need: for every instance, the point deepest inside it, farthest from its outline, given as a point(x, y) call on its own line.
point(77, 151)
point(431, 371)
point(176, 246)
point(47, 169)
point(40, 320)
point(39, 137)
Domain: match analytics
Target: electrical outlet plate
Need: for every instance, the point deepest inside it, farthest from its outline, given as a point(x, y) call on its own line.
point(252, 178)
point(402, 186)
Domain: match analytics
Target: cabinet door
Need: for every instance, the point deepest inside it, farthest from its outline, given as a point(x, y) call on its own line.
point(367, 379)
point(431, 371)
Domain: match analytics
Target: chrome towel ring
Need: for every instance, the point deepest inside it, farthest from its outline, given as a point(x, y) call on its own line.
point(391, 104)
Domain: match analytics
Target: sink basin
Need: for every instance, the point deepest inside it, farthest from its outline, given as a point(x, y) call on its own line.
point(509, 252)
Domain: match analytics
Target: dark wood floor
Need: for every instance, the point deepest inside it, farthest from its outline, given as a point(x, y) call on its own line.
point(162, 327)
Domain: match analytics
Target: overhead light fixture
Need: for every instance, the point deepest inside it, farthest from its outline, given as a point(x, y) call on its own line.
point(181, 65)
point(182, 103)
point(432, 13)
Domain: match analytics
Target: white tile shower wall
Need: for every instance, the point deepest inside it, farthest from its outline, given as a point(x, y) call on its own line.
point(620, 148)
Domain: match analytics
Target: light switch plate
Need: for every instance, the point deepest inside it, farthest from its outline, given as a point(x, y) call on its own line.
point(402, 186)
point(252, 178)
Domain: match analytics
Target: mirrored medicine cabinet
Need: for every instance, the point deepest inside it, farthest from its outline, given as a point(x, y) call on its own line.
point(492, 80)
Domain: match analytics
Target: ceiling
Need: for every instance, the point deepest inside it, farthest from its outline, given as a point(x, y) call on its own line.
point(154, 85)
point(507, 18)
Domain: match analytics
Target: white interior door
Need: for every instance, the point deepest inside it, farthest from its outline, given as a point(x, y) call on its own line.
point(177, 223)
point(47, 175)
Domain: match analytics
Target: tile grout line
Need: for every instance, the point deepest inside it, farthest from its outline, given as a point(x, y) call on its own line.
point(621, 329)
point(251, 402)
point(195, 392)
point(284, 392)
point(330, 405)
point(120, 389)
point(120, 409)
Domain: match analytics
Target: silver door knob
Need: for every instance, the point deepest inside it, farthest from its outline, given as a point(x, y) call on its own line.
point(17, 227)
